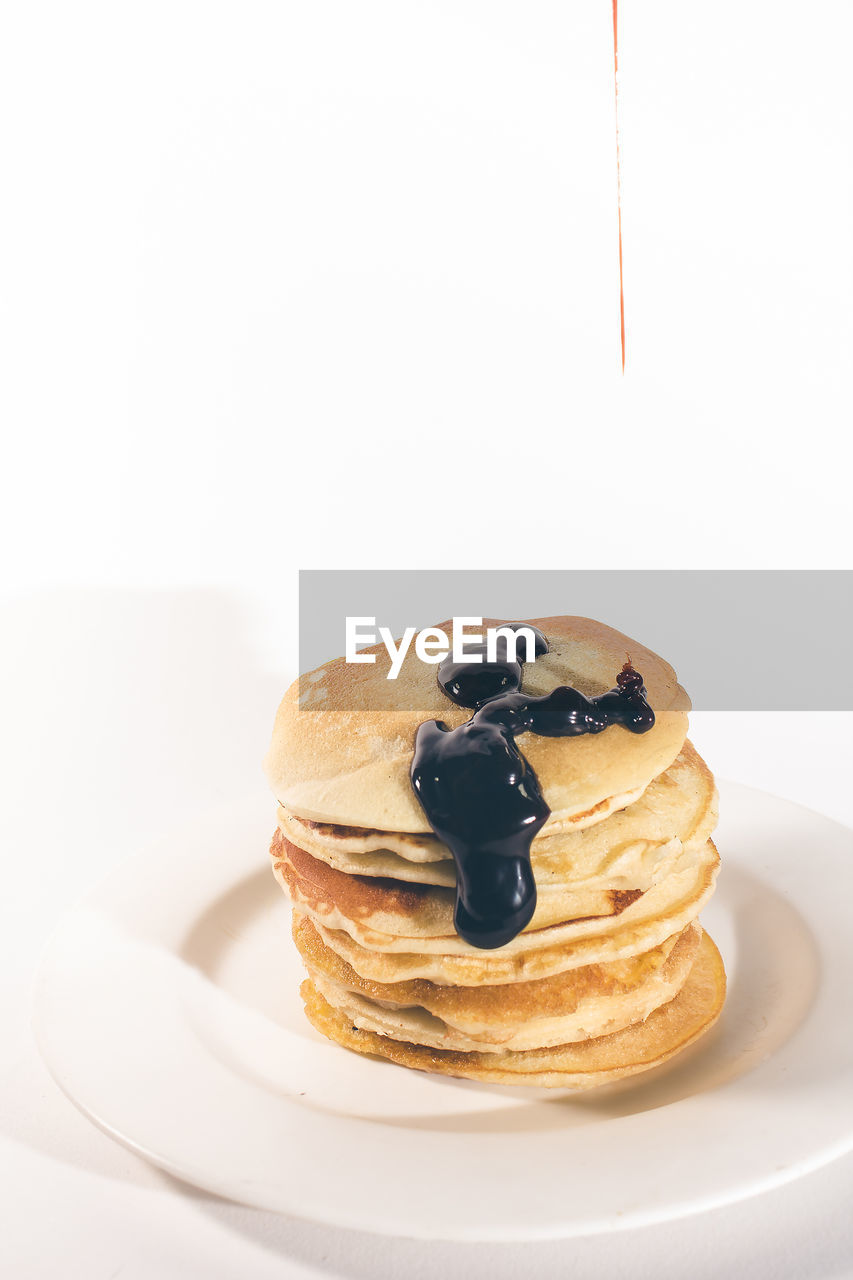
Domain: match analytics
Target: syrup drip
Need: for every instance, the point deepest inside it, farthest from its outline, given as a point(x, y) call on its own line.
point(480, 795)
point(618, 175)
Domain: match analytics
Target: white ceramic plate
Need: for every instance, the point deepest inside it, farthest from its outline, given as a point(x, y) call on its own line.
point(167, 1008)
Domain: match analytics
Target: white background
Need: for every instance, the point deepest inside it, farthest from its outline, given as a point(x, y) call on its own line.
point(334, 284)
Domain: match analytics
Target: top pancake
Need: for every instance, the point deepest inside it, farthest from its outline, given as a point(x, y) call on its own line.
point(342, 753)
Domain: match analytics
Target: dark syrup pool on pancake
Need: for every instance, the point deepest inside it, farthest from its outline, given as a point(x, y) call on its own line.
point(480, 795)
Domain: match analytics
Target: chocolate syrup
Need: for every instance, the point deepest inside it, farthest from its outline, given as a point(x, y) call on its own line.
point(482, 798)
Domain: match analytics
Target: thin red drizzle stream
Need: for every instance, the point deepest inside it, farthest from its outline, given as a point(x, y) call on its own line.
point(618, 176)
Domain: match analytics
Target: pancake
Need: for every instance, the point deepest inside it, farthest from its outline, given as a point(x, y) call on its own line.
point(576, 1005)
point(637, 921)
point(611, 976)
point(342, 752)
point(581, 1065)
point(640, 926)
point(329, 841)
point(625, 852)
point(368, 905)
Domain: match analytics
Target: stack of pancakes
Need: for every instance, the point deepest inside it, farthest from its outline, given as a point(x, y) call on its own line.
point(613, 975)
